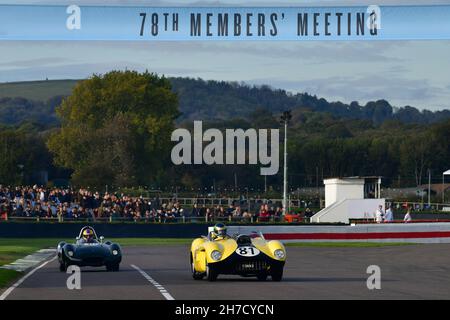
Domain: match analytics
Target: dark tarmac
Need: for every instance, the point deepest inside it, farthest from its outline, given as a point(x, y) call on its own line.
point(407, 272)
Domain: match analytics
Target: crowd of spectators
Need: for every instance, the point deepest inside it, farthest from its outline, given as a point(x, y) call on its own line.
point(82, 204)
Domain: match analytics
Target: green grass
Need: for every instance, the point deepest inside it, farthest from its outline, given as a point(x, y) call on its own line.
point(37, 90)
point(347, 244)
point(8, 276)
point(13, 249)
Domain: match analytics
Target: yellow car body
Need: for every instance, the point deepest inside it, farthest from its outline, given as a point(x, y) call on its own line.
point(244, 255)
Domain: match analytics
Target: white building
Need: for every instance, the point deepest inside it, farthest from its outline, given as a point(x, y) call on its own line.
point(350, 198)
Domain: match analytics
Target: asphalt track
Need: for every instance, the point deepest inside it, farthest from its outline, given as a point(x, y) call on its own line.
point(407, 272)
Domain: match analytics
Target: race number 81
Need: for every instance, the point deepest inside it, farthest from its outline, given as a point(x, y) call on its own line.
point(247, 251)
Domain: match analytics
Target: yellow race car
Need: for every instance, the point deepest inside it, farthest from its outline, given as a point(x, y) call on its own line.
point(244, 255)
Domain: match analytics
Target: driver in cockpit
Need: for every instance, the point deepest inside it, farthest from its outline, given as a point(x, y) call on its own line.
point(219, 232)
point(87, 236)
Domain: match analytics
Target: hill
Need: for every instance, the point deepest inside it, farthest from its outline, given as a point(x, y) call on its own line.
point(327, 139)
point(37, 90)
point(207, 100)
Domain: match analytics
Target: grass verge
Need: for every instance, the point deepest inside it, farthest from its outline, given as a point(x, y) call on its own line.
point(13, 249)
point(8, 276)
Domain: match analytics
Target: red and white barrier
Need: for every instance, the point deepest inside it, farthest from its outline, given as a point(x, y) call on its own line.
point(413, 233)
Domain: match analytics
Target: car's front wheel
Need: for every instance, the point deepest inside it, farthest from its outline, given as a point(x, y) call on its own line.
point(262, 276)
point(211, 274)
point(277, 274)
point(112, 267)
point(196, 275)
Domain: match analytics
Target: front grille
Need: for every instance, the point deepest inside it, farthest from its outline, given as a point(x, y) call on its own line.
point(93, 260)
point(255, 265)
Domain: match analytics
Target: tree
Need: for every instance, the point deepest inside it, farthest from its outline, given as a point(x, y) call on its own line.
point(415, 156)
point(22, 153)
point(115, 129)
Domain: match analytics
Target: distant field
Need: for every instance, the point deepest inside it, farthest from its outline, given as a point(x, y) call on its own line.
point(37, 90)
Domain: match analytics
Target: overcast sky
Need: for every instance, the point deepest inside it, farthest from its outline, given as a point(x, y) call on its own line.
point(412, 73)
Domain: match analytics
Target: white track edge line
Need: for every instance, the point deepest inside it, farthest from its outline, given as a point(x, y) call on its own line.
point(159, 287)
point(19, 282)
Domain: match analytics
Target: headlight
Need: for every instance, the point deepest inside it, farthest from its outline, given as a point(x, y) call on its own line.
point(216, 255)
point(115, 252)
point(70, 253)
point(279, 254)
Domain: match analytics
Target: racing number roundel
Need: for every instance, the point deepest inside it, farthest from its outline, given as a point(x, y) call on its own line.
point(247, 251)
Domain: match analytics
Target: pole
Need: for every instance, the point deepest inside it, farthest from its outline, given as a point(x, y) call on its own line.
point(429, 187)
point(320, 195)
point(265, 184)
point(285, 169)
point(443, 184)
point(421, 191)
point(379, 188)
point(289, 203)
point(317, 180)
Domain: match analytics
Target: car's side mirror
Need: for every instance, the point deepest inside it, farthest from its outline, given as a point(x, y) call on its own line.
point(77, 238)
point(102, 238)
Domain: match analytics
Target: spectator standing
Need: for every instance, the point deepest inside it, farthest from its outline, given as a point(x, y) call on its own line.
point(203, 211)
point(237, 213)
point(407, 217)
point(389, 216)
point(379, 214)
point(278, 212)
point(195, 211)
point(247, 215)
point(263, 214)
point(209, 214)
point(229, 211)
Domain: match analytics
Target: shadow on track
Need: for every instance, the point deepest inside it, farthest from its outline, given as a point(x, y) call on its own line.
point(288, 279)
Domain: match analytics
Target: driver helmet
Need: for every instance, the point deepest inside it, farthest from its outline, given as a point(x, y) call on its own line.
point(220, 230)
point(88, 234)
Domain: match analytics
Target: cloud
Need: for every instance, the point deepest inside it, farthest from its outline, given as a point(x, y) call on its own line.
point(84, 70)
point(314, 52)
point(398, 91)
point(33, 62)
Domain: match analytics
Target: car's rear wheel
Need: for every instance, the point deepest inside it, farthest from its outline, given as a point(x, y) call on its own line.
point(211, 274)
point(63, 266)
point(277, 274)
